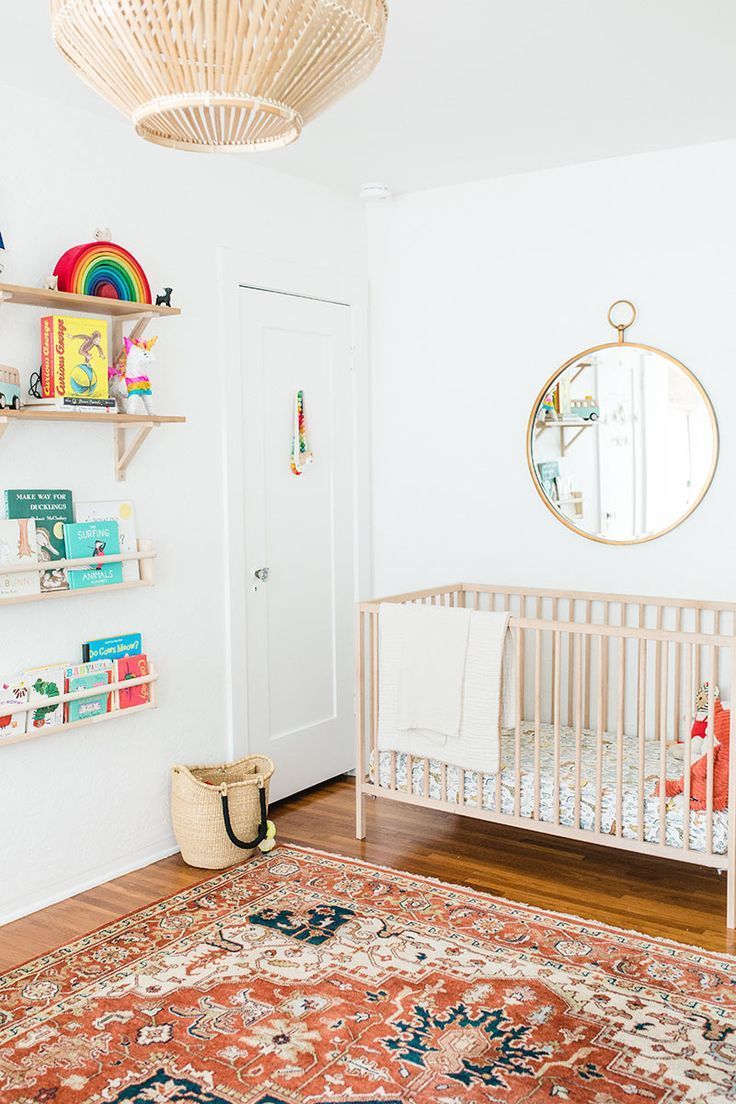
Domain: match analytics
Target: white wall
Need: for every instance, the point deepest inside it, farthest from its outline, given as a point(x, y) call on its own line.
point(78, 809)
point(479, 293)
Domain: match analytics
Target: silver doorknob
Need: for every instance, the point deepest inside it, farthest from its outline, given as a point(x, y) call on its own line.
point(262, 574)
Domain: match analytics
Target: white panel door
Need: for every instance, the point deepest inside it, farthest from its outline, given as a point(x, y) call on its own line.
point(301, 531)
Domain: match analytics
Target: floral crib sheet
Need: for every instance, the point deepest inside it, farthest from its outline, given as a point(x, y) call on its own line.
point(674, 820)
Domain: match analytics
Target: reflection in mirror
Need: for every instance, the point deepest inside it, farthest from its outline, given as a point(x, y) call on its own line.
point(624, 443)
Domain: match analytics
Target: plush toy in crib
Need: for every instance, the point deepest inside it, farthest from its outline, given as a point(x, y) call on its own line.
point(699, 770)
point(130, 382)
point(699, 730)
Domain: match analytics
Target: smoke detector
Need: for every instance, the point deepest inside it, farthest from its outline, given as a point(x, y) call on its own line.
point(372, 193)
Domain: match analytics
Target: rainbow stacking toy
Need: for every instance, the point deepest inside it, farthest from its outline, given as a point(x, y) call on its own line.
point(104, 269)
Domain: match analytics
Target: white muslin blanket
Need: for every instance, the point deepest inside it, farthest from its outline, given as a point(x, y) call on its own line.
point(482, 695)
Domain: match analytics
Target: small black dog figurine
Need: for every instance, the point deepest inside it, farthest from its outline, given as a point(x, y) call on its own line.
point(165, 299)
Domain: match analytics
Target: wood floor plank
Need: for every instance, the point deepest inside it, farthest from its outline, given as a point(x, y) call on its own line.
point(661, 898)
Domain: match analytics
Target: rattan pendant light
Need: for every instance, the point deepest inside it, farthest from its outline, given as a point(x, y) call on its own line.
point(220, 74)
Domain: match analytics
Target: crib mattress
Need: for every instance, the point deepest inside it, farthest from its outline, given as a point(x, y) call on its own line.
point(674, 819)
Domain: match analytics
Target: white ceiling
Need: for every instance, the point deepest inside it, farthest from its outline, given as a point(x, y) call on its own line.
point(470, 89)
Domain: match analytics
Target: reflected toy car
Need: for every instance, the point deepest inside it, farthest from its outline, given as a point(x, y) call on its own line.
point(586, 408)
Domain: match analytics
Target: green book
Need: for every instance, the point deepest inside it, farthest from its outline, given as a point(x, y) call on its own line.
point(50, 510)
point(96, 539)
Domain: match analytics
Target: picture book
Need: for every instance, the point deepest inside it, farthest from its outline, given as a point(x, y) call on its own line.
point(45, 686)
point(49, 509)
point(18, 547)
point(86, 676)
point(88, 406)
point(96, 539)
point(74, 358)
point(13, 692)
point(123, 512)
point(133, 667)
point(113, 647)
point(548, 473)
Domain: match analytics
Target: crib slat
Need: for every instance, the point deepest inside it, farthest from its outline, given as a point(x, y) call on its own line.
point(578, 657)
point(479, 794)
point(602, 709)
point(620, 733)
point(731, 839)
point(698, 630)
point(677, 688)
point(641, 723)
point(409, 773)
point(360, 764)
point(374, 687)
point(557, 646)
point(713, 669)
point(461, 786)
point(570, 663)
point(588, 654)
point(537, 714)
point(663, 670)
point(658, 678)
point(517, 735)
point(393, 770)
point(689, 674)
point(555, 656)
point(604, 645)
point(521, 665)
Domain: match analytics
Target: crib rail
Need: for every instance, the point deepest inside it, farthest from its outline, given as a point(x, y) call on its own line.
point(604, 702)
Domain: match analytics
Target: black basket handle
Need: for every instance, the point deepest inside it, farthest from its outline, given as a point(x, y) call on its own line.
point(262, 828)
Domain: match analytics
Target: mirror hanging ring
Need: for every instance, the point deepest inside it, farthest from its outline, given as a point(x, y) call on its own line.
point(622, 441)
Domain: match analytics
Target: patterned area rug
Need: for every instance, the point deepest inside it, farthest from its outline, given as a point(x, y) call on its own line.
point(305, 978)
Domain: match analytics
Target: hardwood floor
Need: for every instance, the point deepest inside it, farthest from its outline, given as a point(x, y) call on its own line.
point(668, 899)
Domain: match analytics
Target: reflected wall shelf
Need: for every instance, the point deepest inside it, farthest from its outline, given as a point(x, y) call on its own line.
point(145, 556)
point(124, 451)
point(562, 425)
point(575, 500)
point(93, 692)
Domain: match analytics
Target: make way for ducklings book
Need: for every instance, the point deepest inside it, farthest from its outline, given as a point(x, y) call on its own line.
point(97, 540)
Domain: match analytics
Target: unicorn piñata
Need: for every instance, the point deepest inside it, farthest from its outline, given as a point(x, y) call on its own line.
point(130, 384)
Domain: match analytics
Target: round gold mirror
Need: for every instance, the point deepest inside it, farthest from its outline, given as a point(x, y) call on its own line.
point(623, 440)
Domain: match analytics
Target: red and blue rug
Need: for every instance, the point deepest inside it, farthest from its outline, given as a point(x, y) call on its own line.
point(305, 978)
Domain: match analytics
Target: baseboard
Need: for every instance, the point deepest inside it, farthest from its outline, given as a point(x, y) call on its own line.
point(95, 877)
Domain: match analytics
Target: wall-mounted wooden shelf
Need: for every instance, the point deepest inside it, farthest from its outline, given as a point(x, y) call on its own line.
point(139, 314)
point(562, 425)
point(120, 423)
point(145, 556)
point(93, 692)
point(88, 304)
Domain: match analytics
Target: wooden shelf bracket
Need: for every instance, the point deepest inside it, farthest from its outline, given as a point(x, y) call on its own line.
point(125, 452)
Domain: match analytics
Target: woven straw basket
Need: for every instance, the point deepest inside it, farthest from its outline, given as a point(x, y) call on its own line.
point(220, 812)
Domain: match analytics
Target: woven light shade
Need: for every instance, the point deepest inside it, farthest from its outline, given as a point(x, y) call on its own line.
point(220, 74)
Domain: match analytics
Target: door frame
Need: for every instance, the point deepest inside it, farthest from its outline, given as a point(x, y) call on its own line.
point(240, 269)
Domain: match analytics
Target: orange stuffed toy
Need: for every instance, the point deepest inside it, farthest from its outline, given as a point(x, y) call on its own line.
point(699, 769)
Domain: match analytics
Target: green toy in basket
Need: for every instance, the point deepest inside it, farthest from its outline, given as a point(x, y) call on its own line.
point(270, 841)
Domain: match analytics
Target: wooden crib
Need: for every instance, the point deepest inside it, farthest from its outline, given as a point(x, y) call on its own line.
point(605, 697)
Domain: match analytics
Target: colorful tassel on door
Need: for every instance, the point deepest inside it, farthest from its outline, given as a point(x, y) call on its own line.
point(301, 454)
